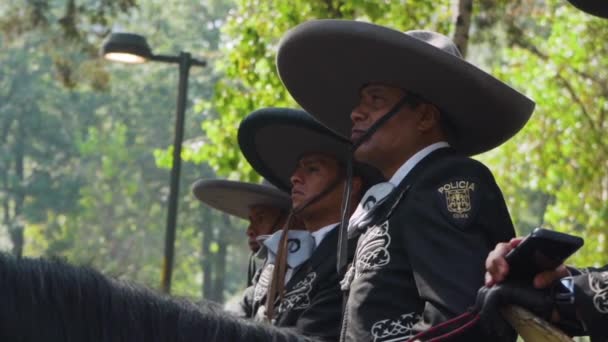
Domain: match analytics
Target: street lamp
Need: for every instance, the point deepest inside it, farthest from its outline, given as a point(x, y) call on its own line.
point(133, 48)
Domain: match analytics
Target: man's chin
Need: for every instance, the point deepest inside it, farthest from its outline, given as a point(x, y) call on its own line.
point(296, 200)
point(362, 154)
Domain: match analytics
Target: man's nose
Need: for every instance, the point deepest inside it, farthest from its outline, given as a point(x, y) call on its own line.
point(296, 178)
point(358, 114)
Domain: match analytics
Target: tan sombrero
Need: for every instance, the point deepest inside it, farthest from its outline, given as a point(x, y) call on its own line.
point(325, 63)
point(598, 8)
point(235, 198)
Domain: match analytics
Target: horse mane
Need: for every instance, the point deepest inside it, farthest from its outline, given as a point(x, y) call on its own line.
point(51, 300)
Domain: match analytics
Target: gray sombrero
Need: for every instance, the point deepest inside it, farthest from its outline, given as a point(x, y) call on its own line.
point(235, 198)
point(273, 139)
point(325, 63)
point(598, 8)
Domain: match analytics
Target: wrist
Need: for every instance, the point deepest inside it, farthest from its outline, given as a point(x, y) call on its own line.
point(566, 312)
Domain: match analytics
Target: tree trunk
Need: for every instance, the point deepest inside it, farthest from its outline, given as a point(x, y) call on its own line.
point(6, 200)
point(4, 166)
point(15, 224)
point(205, 261)
point(220, 268)
point(462, 19)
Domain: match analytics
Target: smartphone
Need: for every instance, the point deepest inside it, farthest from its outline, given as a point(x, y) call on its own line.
point(542, 250)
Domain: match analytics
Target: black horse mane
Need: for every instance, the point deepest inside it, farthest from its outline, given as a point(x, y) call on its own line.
point(50, 300)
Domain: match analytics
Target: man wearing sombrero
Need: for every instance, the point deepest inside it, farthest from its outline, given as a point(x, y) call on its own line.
point(416, 110)
point(263, 205)
point(299, 285)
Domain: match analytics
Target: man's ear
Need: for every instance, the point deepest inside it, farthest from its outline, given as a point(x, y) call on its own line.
point(429, 116)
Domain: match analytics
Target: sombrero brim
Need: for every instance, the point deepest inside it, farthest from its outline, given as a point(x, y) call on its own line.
point(273, 139)
point(598, 8)
point(324, 64)
point(235, 198)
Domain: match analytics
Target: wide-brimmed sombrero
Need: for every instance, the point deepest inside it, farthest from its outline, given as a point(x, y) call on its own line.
point(325, 63)
point(235, 198)
point(598, 8)
point(273, 139)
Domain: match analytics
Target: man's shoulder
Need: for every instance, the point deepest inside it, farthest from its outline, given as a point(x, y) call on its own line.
point(451, 182)
point(449, 169)
point(454, 163)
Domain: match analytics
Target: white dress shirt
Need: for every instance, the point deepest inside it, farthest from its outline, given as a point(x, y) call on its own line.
point(414, 160)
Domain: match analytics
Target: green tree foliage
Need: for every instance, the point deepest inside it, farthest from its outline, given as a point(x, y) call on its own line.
point(37, 128)
point(557, 166)
point(78, 173)
point(71, 29)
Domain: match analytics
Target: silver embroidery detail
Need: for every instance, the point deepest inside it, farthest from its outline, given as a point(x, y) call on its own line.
point(299, 296)
point(372, 252)
point(598, 283)
point(261, 287)
point(400, 329)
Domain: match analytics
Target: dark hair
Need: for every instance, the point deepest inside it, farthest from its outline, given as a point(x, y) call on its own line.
point(50, 300)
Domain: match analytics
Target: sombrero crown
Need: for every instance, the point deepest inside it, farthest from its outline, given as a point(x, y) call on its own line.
point(273, 139)
point(325, 63)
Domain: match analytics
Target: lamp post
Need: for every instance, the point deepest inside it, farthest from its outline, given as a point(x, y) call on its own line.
point(132, 48)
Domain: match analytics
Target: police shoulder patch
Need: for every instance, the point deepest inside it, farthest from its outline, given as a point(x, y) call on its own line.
point(458, 200)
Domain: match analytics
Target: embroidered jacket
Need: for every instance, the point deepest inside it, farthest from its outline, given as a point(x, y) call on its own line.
point(312, 303)
point(420, 258)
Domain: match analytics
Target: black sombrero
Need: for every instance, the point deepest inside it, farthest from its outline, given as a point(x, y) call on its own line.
point(235, 198)
point(273, 139)
point(325, 63)
point(598, 8)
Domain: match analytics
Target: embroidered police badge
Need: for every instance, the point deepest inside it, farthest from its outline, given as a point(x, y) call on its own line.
point(458, 201)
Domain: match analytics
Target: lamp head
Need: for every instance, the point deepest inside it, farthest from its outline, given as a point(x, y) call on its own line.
point(126, 48)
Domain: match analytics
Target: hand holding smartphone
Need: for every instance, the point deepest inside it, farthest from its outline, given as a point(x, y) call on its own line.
point(542, 250)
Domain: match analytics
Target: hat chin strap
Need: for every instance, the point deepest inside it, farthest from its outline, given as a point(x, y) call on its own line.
point(346, 200)
point(277, 281)
point(407, 98)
